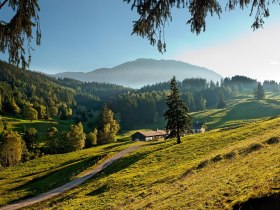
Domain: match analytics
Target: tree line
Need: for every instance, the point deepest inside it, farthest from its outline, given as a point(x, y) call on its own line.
point(37, 96)
point(16, 147)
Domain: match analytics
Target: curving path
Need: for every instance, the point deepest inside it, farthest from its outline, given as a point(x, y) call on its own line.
point(69, 185)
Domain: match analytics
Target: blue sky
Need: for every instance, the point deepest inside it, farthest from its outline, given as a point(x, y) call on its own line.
point(89, 34)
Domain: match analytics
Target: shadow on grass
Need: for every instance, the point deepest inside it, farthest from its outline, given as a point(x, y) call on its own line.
point(56, 178)
point(59, 167)
point(270, 202)
point(117, 144)
point(123, 163)
point(98, 191)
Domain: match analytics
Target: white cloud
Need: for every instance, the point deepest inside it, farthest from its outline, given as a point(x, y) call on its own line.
point(255, 55)
point(273, 63)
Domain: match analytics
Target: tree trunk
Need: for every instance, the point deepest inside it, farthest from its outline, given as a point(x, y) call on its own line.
point(178, 137)
point(178, 132)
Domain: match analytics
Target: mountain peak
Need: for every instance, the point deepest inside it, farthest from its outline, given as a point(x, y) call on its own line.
point(145, 71)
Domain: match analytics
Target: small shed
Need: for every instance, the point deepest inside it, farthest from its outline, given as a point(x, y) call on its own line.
point(148, 135)
point(199, 127)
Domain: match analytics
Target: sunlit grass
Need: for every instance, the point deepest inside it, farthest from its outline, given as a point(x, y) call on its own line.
point(240, 111)
point(213, 170)
point(42, 174)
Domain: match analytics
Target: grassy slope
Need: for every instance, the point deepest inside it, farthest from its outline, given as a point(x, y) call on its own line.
point(240, 110)
point(40, 175)
point(214, 170)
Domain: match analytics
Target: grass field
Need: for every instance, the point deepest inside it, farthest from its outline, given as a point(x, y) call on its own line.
point(239, 111)
point(42, 174)
point(214, 170)
point(18, 123)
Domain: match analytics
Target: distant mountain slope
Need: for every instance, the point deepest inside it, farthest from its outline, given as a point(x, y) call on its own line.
point(143, 72)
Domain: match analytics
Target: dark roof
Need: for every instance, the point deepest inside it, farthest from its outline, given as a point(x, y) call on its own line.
point(152, 133)
point(198, 125)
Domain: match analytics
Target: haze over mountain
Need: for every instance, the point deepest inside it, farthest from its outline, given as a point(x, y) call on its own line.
point(142, 72)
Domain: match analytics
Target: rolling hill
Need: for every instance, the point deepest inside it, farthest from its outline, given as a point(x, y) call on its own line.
point(216, 170)
point(142, 72)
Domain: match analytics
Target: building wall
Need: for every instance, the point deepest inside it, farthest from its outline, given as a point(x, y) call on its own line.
point(138, 136)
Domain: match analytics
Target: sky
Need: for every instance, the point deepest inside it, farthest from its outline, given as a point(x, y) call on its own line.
point(90, 34)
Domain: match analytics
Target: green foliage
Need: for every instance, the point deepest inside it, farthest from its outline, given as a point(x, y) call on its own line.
point(155, 15)
point(221, 103)
point(259, 93)
point(206, 171)
point(13, 107)
point(10, 148)
point(54, 141)
point(108, 128)
point(65, 112)
point(42, 112)
point(18, 31)
point(91, 138)
point(30, 113)
point(53, 111)
point(178, 119)
point(30, 136)
point(75, 138)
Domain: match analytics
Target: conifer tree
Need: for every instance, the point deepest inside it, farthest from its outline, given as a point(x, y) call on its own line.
point(30, 136)
point(178, 119)
point(54, 141)
point(221, 102)
point(259, 93)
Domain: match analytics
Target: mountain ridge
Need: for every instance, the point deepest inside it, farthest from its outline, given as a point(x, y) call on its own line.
point(143, 71)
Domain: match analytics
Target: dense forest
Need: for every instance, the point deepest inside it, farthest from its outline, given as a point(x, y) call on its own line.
point(34, 95)
point(100, 108)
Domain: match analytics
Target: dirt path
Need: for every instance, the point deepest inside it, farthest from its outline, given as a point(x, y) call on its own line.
point(69, 185)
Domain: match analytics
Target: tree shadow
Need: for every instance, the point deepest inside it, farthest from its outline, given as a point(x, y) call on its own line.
point(98, 191)
point(123, 163)
point(55, 178)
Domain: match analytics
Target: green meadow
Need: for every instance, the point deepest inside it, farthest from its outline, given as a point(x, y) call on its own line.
point(240, 110)
point(40, 175)
point(218, 169)
point(214, 170)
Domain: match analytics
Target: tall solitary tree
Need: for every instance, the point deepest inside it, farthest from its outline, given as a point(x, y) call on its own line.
point(178, 119)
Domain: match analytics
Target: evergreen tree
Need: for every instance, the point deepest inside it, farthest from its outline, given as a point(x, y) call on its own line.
point(109, 127)
point(221, 103)
point(30, 137)
point(10, 148)
point(54, 141)
point(178, 119)
point(259, 93)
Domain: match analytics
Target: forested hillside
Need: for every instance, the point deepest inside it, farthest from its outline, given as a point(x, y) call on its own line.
point(37, 96)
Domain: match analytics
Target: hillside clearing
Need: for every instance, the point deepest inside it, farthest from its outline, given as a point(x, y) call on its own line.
point(238, 112)
point(215, 170)
point(40, 175)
